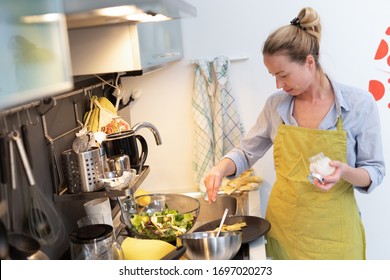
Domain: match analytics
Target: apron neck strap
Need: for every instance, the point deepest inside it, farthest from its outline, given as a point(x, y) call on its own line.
point(339, 123)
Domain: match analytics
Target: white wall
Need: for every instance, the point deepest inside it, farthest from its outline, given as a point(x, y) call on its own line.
point(352, 31)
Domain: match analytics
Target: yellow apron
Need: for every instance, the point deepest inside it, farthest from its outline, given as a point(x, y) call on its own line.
point(308, 223)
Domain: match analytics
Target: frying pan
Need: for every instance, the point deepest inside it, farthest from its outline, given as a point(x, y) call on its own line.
point(175, 254)
point(256, 226)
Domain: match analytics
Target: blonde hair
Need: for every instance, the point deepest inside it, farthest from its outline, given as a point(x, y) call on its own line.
point(297, 40)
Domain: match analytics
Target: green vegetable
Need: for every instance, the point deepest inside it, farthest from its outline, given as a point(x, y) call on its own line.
point(165, 225)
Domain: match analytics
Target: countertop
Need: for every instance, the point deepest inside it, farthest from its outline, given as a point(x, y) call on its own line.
point(257, 247)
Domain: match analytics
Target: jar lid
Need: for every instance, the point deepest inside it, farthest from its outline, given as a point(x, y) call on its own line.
point(91, 233)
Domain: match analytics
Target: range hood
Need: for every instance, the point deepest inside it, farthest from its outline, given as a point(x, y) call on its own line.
point(135, 49)
point(87, 13)
point(131, 36)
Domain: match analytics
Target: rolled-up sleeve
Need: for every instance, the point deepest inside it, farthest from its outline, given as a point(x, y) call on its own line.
point(368, 149)
point(259, 138)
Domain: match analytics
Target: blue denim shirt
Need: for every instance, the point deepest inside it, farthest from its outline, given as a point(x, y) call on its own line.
point(360, 118)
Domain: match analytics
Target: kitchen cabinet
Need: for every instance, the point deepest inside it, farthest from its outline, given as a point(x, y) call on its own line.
point(160, 42)
point(136, 48)
point(34, 51)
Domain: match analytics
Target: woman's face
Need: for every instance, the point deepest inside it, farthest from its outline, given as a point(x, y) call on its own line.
point(292, 77)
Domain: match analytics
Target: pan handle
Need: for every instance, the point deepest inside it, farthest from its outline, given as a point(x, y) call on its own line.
point(23, 155)
point(175, 254)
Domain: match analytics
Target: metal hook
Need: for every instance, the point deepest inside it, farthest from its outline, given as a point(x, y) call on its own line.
point(5, 128)
point(14, 135)
point(18, 118)
point(90, 93)
point(30, 121)
point(29, 116)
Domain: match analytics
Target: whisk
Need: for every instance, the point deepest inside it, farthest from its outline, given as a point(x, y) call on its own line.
point(43, 221)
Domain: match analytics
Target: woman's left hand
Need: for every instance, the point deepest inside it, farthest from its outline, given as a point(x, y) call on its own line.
point(331, 180)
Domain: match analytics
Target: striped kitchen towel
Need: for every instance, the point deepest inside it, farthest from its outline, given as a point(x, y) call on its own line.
point(227, 125)
point(217, 125)
point(203, 136)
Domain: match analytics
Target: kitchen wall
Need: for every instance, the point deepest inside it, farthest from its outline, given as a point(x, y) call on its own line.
point(352, 32)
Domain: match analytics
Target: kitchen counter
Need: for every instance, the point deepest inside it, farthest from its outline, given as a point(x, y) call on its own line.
point(252, 208)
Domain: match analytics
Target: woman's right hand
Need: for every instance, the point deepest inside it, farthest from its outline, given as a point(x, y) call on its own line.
point(214, 178)
point(212, 182)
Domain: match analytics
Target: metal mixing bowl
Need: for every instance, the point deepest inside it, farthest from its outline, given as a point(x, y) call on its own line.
point(205, 245)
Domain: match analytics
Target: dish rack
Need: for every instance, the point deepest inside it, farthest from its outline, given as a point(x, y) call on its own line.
point(59, 144)
point(103, 193)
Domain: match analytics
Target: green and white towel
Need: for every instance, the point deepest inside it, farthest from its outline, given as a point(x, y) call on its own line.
point(217, 125)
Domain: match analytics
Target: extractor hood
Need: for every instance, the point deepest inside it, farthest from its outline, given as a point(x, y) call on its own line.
point(107, 36)
point(88, 13)
point(132, 48)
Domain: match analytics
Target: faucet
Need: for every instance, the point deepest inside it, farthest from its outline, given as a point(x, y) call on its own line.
point(156, 134)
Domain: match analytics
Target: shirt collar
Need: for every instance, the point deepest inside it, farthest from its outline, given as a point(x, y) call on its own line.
point(339, 98)
point(286, 105)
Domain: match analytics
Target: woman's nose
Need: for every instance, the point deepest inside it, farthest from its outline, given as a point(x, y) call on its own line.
point(279, 84)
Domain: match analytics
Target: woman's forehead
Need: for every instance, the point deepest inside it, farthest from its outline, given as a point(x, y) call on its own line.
point(278, 63)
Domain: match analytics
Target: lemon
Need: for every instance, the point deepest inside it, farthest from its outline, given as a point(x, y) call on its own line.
point(143, 201)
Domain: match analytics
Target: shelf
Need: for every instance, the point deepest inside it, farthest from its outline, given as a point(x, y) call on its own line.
point(103, 193)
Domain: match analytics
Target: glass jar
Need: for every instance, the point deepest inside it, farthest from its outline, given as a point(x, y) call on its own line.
point(94, 242)
point(319, 164)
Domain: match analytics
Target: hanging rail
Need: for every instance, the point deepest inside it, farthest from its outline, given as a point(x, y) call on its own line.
point(20, 108)
point(232, 59)
point(38, 103)
point(52, 102)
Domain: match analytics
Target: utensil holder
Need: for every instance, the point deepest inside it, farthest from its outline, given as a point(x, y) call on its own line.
point(70, 165)
point(83, 170)
point(91, 166)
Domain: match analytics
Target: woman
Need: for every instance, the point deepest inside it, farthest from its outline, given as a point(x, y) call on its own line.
point(310, 114)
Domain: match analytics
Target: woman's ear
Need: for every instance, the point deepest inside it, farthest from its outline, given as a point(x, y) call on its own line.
point(310, 61)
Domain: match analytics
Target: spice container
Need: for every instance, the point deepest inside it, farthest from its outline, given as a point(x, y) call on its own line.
point(320, 164)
